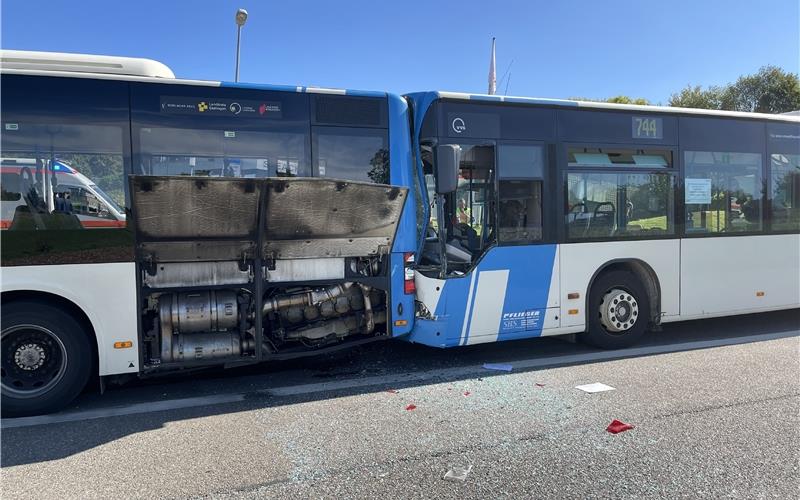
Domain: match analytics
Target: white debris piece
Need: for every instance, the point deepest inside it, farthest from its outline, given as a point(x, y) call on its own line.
point(498, 366)
point(595, 387)
point(458, 473)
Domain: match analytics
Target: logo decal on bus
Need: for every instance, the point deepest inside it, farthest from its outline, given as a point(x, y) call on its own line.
point(523, 320)
point(459, 126)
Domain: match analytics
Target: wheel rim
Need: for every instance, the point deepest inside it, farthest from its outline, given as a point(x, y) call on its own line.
point(33, 361)
point(619, 311)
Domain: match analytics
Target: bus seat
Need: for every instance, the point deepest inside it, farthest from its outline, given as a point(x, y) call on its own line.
point(601, 223)
point(25, 220)
point(11, 187)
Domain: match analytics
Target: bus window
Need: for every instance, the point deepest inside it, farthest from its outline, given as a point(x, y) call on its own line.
point(53, 172)
point(619, 205)
point(219, 132)
point(636, 200)
point(60, 132)
point(785, 192)
point(723, 192)
point(465, 221)
point(605, 157)
point(521, 170)
point(359, 154)
point(471, 208)
point(520, 212)
point(80, 201)
point(222, 153)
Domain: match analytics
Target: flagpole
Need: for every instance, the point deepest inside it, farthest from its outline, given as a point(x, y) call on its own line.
point(492, 73)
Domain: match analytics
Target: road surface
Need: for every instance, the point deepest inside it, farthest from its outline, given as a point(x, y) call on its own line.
point(715, 407)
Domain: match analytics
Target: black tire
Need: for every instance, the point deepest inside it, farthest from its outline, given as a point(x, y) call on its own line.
point(614, 331)
point(46, 358)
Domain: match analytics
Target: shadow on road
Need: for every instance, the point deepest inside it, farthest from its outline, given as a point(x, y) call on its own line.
point(52, 441)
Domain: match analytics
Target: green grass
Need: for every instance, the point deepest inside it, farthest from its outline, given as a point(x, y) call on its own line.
point(659, 222)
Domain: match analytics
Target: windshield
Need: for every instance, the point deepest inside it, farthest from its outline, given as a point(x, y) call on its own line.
point(107, 199)
point(465, 219)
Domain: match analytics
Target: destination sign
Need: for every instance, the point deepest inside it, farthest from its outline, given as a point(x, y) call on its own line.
point(647, 128)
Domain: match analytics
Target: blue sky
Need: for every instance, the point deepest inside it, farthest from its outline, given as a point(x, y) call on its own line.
point(559, 48)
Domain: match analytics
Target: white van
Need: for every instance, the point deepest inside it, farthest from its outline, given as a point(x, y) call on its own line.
point(73, 193)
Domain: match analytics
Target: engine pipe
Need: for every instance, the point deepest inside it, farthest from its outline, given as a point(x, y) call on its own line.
point(311, 298)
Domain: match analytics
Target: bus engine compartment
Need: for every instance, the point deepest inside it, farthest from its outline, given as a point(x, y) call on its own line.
point(238, 270)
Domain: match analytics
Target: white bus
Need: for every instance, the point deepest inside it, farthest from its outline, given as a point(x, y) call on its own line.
point(154, 224)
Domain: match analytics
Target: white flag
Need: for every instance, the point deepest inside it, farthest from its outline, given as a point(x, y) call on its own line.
point(492, 73)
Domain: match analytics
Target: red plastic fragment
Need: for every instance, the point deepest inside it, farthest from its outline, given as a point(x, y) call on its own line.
point(539, 385)
point(615, 427)
point(392, 391)
point(467, 393)
point(411, 407)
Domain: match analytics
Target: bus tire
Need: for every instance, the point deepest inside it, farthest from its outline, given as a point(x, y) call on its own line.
point(618, 311)
point(46, 358)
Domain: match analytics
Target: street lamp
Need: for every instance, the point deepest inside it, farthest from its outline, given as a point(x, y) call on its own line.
point(241, 18)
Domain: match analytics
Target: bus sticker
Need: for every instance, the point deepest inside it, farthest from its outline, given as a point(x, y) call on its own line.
point(523, 320)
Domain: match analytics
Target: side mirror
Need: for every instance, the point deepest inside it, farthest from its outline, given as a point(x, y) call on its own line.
point(448, 157)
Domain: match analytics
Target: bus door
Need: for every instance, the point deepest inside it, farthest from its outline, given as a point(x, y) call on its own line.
point(501, 278)
point(532, 290)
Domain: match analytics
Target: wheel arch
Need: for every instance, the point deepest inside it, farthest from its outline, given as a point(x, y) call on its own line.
point(66, 305)
point(644, 273)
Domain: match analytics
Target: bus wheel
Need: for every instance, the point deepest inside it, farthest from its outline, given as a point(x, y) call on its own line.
point(618, 312)
point(46, 359)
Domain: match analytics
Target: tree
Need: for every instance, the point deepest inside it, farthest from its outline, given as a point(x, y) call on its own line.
point(771, 90)
point(620, 99)
point(623, 99)
point(379, 173)
point(697, 97)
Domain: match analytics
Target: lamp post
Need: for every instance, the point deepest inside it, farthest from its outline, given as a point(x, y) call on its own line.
point(241, 18)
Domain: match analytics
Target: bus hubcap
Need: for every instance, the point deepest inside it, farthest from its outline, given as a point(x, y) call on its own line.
point(33, 360)
point(618, 311)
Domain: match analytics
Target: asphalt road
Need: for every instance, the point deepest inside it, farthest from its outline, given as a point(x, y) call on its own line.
point(715, 405)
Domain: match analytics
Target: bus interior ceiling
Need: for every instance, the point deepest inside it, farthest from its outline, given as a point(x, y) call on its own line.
point(245, 269)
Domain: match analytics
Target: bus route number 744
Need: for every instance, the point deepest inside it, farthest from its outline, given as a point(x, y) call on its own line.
point(647, 128)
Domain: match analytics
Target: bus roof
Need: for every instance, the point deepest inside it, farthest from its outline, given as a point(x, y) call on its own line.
point(133, 69)
point(459, 96)
point(84, 63)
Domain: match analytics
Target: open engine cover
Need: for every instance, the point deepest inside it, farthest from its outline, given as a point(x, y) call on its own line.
point(307, 218)
point(183, 218)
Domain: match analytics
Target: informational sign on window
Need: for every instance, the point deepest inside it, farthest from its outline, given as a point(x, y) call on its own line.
point(698, 191)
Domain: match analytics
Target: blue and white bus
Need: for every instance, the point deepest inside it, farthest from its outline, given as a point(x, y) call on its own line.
point(265, 222)
point(549, 217)
point(260, 222)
